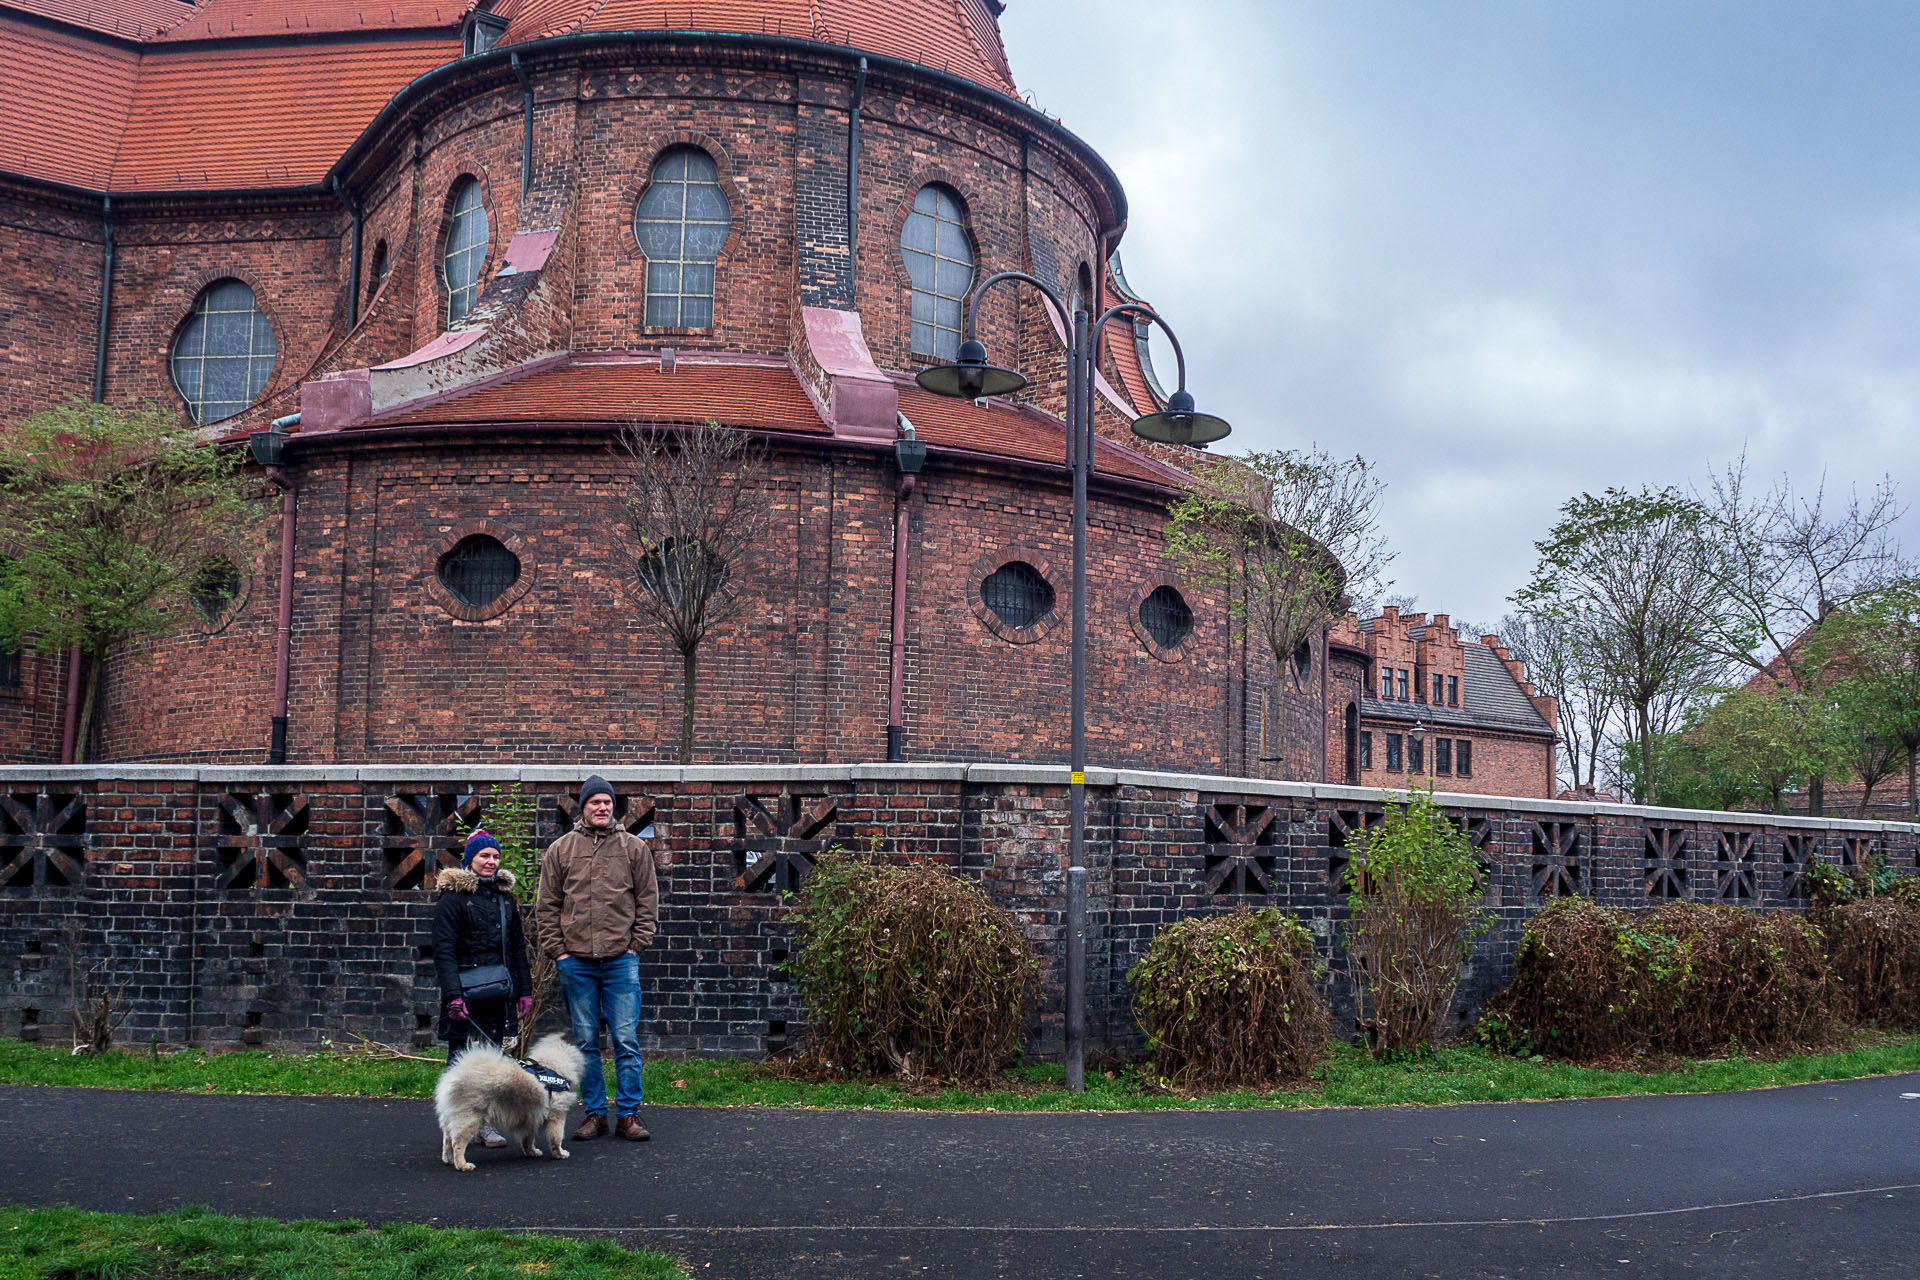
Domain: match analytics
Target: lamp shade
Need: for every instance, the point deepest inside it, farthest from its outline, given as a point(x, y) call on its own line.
point(1179, 423)
point(970, 377)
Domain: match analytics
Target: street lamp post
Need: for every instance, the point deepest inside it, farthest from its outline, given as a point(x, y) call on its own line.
point(971, 378)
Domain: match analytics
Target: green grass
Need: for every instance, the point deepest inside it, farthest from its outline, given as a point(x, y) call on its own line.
point(69, 1244)
point(1348, 1078)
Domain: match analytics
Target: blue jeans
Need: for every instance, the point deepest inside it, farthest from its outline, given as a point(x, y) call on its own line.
point(608, 990)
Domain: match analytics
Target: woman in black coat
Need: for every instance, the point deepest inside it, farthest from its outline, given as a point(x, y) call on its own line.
point(475, 923)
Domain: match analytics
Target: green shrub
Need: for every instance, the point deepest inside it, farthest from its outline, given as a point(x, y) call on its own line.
point(1232, 1001)
point(908, 969)
point(1874, 956)
point(1413, 889)
point(1686, 978)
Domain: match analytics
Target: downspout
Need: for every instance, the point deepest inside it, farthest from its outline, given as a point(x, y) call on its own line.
point(853, 179)
point(526, 133)
point(70, 731)
point(283, 646)
point(897, 648)
point(358, 211)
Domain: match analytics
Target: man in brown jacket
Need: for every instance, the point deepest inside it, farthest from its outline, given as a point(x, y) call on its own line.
point(598, 906)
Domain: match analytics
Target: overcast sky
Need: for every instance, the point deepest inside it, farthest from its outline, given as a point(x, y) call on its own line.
point(1514, 251)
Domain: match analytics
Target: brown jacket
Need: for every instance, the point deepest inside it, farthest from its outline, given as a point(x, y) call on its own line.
point(598, 895)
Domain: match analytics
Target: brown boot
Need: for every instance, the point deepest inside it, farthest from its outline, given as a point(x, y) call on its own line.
point(594, 1126)
point(631, 1129)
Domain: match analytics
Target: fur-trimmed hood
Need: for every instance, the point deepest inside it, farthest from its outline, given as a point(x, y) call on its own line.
point(461, 880)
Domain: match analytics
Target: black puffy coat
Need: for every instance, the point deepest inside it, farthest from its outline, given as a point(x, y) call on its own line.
point(466, 934)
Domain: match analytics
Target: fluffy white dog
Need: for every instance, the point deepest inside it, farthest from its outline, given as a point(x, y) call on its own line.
point(485, 1086)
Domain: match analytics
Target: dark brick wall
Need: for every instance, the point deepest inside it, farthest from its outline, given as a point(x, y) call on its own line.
point(247, 906)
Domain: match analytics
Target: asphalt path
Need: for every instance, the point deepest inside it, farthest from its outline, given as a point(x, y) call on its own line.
point(1811, 1181)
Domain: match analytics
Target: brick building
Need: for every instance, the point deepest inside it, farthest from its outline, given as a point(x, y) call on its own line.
point(466, 242)
point(1433, 707)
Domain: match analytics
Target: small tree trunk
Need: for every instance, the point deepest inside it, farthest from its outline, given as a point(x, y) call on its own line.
point(91, 678)
point(1279, 746)
point(1817, 797)
point(1642, 714)
point(689, 659)
point(1913, 800)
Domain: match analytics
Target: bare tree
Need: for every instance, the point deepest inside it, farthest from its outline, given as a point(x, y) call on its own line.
point(1785, 560)
point(687, 526)
point(1588, 706)
point(1286, 539)
point(1624, 574)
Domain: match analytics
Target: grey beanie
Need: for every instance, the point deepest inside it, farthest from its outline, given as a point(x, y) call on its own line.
point(595, 786)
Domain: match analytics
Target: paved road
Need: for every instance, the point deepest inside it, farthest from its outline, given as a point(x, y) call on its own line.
point(1813, 1181)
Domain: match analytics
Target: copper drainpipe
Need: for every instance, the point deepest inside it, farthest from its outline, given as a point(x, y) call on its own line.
point(72, 728)
point(283, 645)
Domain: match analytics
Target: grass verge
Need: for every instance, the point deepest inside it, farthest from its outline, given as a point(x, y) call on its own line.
point(1347, 1078)
point(70, 1244)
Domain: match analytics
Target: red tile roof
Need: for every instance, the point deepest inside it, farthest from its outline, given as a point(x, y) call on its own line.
point(130, 19)
point(260, 116)
point(217, 19)
point(1126, 364)
point(764, 396)
point(960, 36)
point(1008, 432)
point(65, 106)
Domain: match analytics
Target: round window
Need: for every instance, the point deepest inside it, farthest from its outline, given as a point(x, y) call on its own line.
point(1018, 595)
point(1165, 615)
point(478, 570)
point(214, 590)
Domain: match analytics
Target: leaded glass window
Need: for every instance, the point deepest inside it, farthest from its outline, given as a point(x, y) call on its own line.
point(466, 252)
point(939, 257)
point(478, 570)
point(224, 352)
point(681, 224)
point(1165, 615)
point(1017, 593)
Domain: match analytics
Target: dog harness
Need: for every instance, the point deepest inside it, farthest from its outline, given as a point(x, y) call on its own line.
point(552, 1080)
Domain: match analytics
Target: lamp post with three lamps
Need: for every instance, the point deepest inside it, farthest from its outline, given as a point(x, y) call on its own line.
point(970, 377)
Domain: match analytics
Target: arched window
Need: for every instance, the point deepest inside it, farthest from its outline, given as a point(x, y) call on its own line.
point(377, 276)
point(939, 258)
point(215, 590)
point(224, 353)
point(1353, 743)
point(466, 251)
point(681, 223)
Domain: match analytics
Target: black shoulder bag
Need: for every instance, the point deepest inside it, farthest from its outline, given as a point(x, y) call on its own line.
point(490, 981)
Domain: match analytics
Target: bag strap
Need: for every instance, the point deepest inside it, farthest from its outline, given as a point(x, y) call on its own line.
point(502, 895)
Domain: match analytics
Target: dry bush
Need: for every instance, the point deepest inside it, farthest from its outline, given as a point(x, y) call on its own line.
point(98, 1008)
point(1875, 958)
point(1594, 982)
point(1232, 1001)
point(909, 969)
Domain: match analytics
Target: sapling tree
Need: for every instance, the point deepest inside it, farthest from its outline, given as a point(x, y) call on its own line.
point(110, 516)
point(1286, 540)
point(687, 524)
point(1413, 890)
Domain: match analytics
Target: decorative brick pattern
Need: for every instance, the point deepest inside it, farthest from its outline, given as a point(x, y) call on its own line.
point(1666, 876)
point(43, 840)
point(262, 840)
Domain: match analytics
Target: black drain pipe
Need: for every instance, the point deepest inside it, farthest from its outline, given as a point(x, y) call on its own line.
point(358, 211)
point(853, 177)
point(106, 304)
point(526, 136)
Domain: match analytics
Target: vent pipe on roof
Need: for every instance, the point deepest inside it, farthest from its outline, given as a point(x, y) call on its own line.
point(526, 134)
point(358, 211)
point(853, 181)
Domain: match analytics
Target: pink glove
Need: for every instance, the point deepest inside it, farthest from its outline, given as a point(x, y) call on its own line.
point(457, 1009)
point(525, 1006)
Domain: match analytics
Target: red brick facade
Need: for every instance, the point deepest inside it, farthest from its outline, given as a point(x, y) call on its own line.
point(381, 668)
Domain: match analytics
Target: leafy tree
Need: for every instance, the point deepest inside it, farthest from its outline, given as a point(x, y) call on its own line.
point(1286, 538)
point(1772, 742)
point(1784, 561)
point(109, 516)
point(1872, 649)
point(1623, 574)
point(687, 525)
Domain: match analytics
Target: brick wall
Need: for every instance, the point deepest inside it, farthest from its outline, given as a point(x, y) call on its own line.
point(264, 905)
point(1504, 764)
